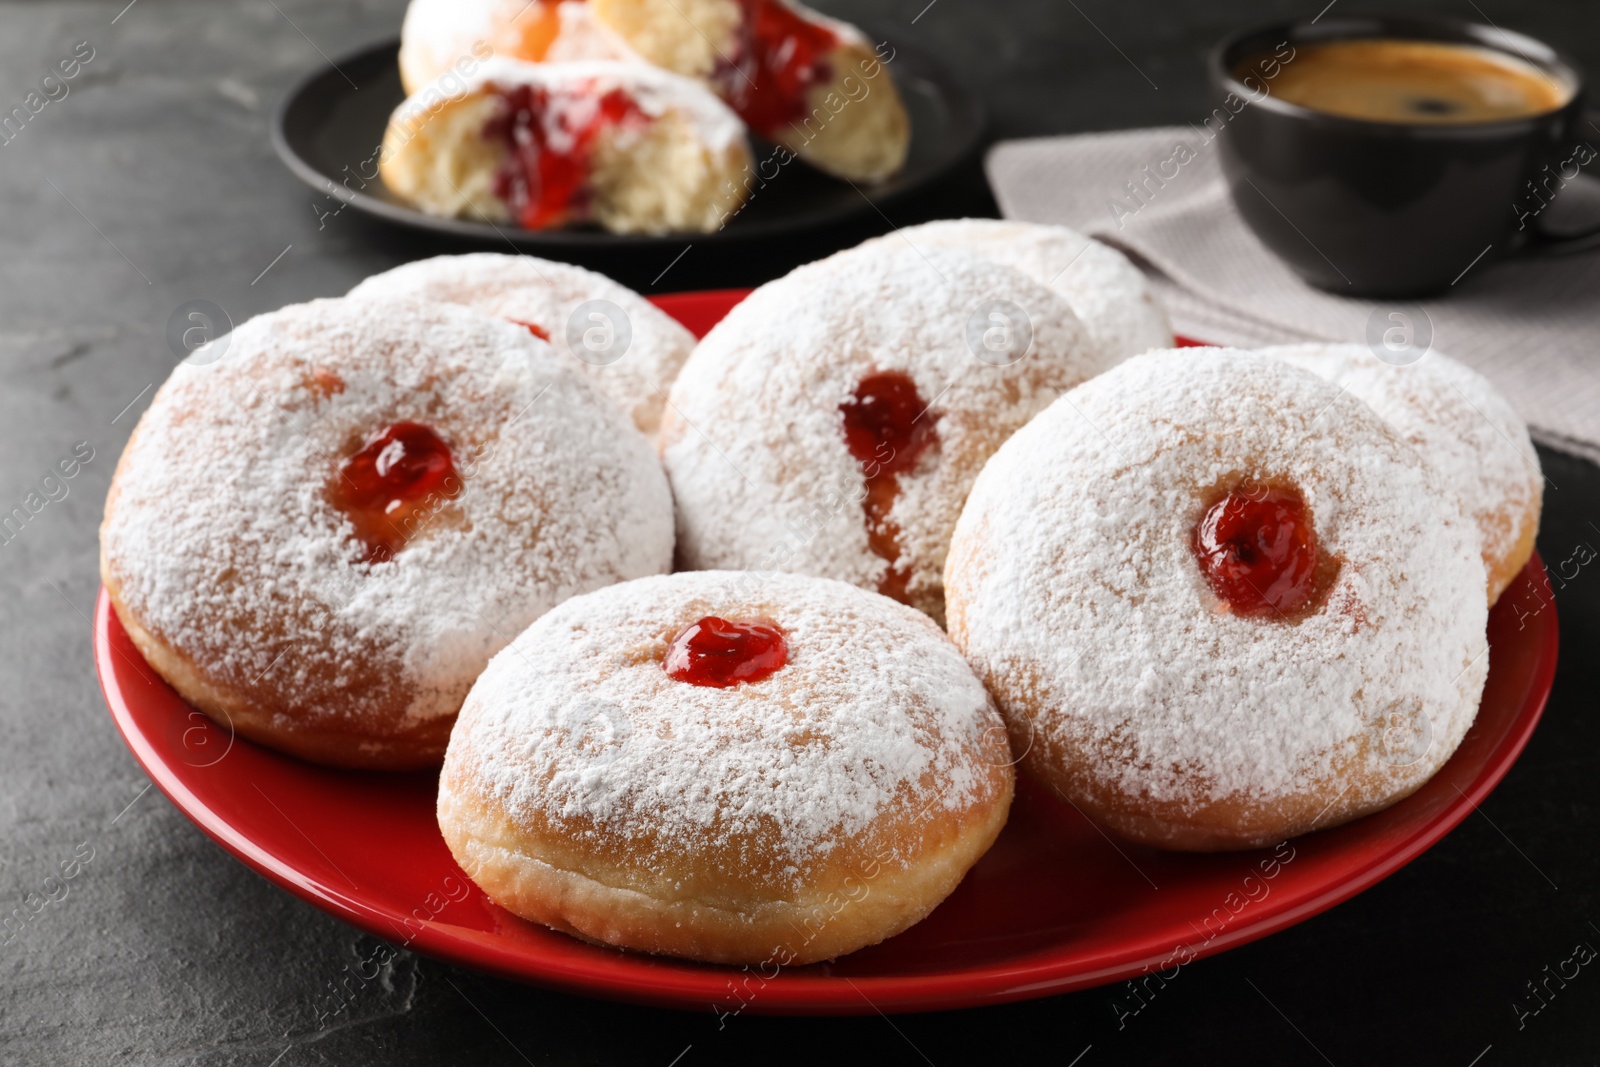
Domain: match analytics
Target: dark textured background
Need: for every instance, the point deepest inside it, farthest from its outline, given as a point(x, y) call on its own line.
point(165, 950)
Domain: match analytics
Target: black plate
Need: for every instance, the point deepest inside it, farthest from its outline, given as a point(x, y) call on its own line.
point(328, 132)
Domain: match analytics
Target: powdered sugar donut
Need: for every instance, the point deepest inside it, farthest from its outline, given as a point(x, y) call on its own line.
point(833, 422)
point(438, 36)
point(1109, 294)
point(630, 349)
point(630, 147)
point(1219, 602)
point(321, 538)
point(726, 766)
point(1464, 428)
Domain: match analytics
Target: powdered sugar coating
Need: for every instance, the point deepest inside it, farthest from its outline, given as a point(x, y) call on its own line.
point(223, 540)
point(1074, 592)
point(653, 90)
point(753, 439)
point(1465, 429)
point(577, 730)
point(436, 25)
point(437, 34)
point(548, 295)
point(1109, 294)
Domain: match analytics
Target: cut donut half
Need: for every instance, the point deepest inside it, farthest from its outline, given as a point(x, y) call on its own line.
point(625, 145)
point(812, 84)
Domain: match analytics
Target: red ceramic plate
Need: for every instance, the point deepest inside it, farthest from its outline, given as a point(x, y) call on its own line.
point(1054, 906)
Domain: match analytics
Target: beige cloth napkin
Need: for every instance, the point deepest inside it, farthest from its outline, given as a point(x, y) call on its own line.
point(1530, 325)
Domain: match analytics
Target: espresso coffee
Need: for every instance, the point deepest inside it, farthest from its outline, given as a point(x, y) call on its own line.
point(1394, 80)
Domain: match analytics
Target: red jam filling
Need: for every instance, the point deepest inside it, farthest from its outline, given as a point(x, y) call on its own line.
point(549, 139)
point(782, 54)
point(1258, 550)
point(400, 475)
point(888, 429)
point(534, 328)
point(720, 654)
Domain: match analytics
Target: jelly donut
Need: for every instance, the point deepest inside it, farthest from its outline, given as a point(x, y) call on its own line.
point(727, 767)
point(1219, 602)
point(1109, 294)
point(629, 348)
point(1464, 428)
point(812, 84)
point(832, 423)
point(321, 538)
point(625, 145)
point(438, 36)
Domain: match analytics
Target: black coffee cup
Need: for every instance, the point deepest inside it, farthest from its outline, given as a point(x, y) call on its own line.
point(1388, 209)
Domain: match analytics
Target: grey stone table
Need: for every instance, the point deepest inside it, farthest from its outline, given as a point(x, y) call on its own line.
point(151, 183)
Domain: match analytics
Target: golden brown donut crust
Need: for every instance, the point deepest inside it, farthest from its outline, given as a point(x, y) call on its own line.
point(859, 898)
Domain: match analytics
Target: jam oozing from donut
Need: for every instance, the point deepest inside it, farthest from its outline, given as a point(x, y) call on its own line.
point(722, 653)
point(781, 55)
point(392, 484)
point(1258, 549)
point(550, 139)
point(885, 424)
point(888, 429)
point(532, 327)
